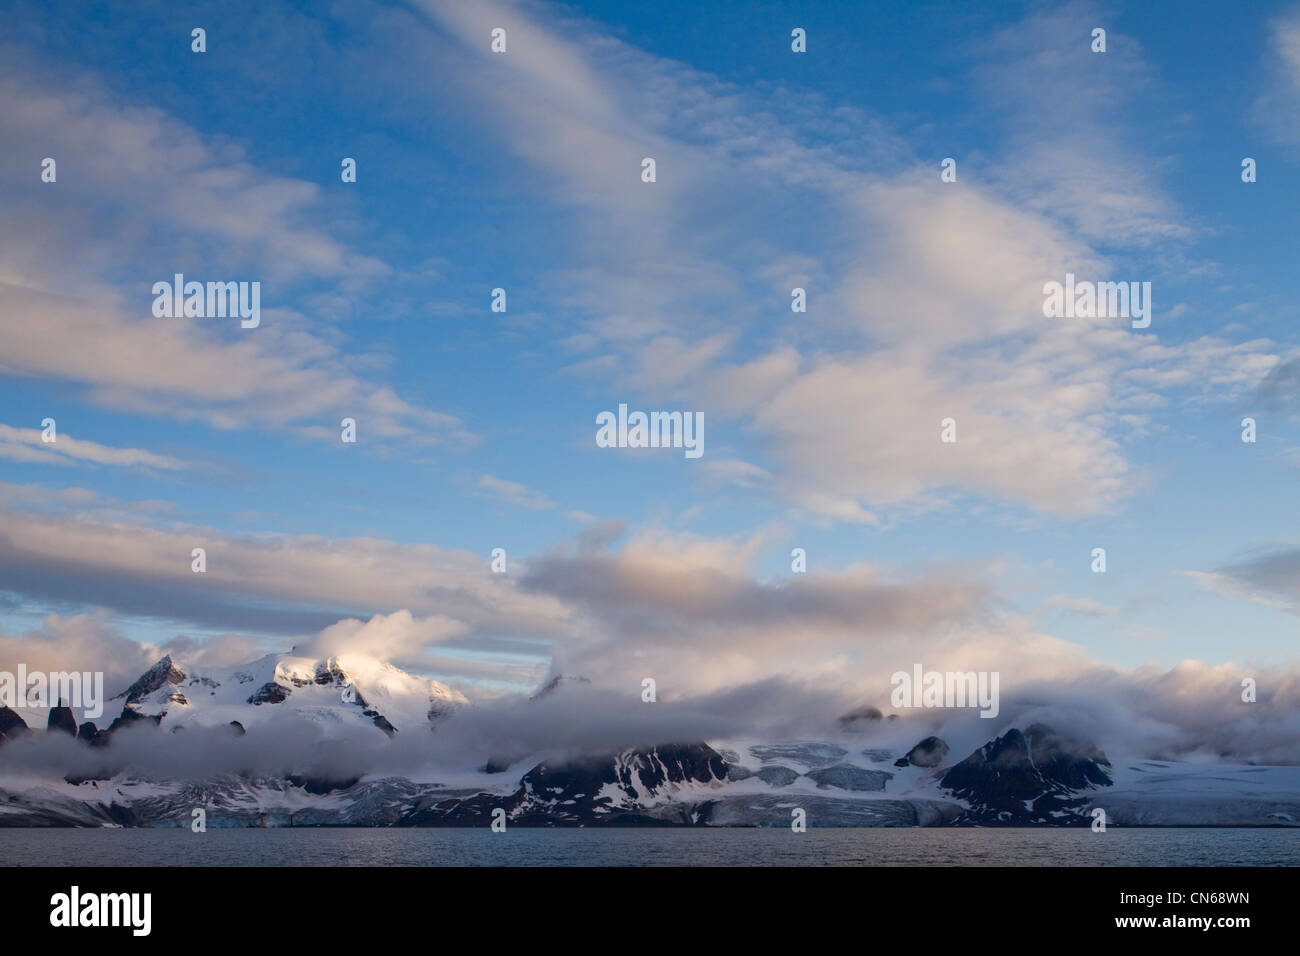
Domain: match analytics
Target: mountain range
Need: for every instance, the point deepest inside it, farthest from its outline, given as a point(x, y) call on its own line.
point(1035, 775)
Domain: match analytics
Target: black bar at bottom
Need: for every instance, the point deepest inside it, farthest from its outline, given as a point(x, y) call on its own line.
point(235, 905)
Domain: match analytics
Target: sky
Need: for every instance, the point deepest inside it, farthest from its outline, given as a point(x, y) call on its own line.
point(476, 429)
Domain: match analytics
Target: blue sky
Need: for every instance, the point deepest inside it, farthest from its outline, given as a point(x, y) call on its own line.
point(774, 170)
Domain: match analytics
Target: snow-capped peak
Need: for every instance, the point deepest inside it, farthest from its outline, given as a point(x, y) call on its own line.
point(339, 690)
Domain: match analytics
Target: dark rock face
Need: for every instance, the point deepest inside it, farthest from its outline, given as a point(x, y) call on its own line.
point(847, 777)
point(86, 732)
point(269, 693)
point(930, 752)
point(589, 790)
point(328, 673)
point(1073, 763)
point(322, 785)
point(860, 717)
point(11, 725)
point(777, 776)
point(237, 728)
point(376, 718)
point(671, 763)
point(129, 716)
point(1027, 778)
point(164, 672)
point(580, 780)
point(61, 719)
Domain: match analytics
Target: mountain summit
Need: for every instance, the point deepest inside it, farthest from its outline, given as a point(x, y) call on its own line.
point(341, 690)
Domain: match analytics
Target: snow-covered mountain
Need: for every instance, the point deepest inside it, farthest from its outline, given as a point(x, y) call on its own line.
point(1026, 776)
point(342, 690)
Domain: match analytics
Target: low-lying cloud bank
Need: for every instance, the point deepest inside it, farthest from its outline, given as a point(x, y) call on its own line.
point(731, 656)
point(1191, 712)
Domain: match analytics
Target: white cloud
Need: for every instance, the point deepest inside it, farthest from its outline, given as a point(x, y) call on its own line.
point(25, 444)
point(1278, 106)
point(64, 553)
point(1271, 578)
point(191, 198)
point(514, 493)
point(186, 192)
point(1087, 607)
point(926, 298)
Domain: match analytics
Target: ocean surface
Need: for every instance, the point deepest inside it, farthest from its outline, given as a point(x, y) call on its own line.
point(652, 847)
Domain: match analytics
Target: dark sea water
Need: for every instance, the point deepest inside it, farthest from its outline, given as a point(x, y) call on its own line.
point(652, 847)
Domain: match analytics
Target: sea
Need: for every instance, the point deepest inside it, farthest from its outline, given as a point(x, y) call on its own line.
point(480, 846)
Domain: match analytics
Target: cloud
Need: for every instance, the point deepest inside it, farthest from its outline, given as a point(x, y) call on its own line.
point(689, 612)
point(84, 643)
point(732, 655)
point(273, 377)
point(1277, 107)
point(260, 583)
point(26, 444)
point(730, 471)
point(197, 205)
point(925, 298)
point(1280, 388)
point(1077, 605)
point(388, 637)
point(1271, 578)
point(191, 196)
point(1075, 165)
point(1192, 711)
point(514, 493)
point(924, 304)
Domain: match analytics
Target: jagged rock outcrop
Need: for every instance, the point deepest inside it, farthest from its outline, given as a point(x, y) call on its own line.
point(128, 717)
point(329, 673)
point(269, 693)
point(11, 724)
point(930, 752)
point(322, 785)
point(61, 720)
point(163, 672)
